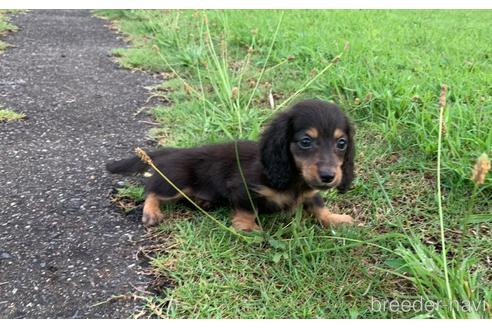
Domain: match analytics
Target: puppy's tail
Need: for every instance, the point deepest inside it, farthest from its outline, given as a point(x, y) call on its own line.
point(134, 164)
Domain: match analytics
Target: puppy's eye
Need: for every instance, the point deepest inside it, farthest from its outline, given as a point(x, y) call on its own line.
point(305, 143)
point(341, 144)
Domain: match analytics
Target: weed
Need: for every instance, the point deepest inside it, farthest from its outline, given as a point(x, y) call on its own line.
point(128, 197)
point(7, 115)
point(5, 27)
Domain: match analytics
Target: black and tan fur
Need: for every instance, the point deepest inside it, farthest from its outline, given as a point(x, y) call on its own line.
point(303, 150)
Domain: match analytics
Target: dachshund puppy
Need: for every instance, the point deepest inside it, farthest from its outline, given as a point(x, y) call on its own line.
point(305, 149)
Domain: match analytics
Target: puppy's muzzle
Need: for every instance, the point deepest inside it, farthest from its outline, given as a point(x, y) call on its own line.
point(327, 176)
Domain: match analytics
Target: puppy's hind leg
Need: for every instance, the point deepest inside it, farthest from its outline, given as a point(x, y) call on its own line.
point(158, 191)
point(152, 212)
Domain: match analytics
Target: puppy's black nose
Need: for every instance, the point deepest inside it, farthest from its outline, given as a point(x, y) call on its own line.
point(326, 176)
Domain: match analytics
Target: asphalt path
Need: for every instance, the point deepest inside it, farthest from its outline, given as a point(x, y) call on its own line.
point(63, 246)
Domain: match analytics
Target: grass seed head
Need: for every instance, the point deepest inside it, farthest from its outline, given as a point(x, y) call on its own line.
point(442, 104)
point(234, 92)
point(480, 170)
point(187, 88)
point(442, 97)
point(156, 48)
point(143, 155)
point(444, 129)
point(271, 100)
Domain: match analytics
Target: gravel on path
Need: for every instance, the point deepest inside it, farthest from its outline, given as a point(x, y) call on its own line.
point(63, 247)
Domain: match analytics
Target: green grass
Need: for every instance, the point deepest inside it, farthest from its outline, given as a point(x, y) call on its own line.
point(128, 197)
point(7, 115)
point(3, 45)
point(130, 191)
point(385, 68)
point(5, 27)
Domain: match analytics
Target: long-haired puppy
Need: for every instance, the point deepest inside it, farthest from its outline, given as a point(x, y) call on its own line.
point(303, 150)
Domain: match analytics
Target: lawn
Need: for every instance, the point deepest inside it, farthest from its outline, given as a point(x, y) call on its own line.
point(227, 72)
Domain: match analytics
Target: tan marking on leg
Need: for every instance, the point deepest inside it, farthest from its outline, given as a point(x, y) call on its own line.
point(338, 133)
point(244, 221)
point(326, 218)
point(152, 214)
point(310, 194)
point(312, 132)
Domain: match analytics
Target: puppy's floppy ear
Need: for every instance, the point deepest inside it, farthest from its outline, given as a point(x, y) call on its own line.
point(275, 151)
point(348, 161)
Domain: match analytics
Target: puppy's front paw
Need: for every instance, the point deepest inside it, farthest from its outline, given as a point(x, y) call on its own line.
point(326, 218)
point(246, 226)
point(334, 219)
point(245, 221)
